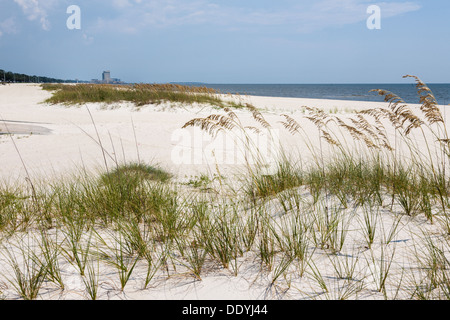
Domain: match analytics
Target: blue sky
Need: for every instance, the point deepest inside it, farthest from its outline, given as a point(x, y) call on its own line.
point(228, 41)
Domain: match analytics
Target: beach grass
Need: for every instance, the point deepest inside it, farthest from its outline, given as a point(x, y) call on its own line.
point(332, 228)
point(137, 94)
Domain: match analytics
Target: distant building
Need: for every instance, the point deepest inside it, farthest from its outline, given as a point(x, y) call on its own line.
point(106, 79)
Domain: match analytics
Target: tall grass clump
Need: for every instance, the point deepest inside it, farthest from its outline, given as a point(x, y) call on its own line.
point(433, 270)
point(135, 173)
point(28, 273)
point(219, 233)
point(13, 204)
point(138, 94)
point(117, 254)
point(126, 191)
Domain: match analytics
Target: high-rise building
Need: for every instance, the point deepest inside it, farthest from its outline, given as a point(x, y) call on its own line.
point(106, 76)
point(106, 79)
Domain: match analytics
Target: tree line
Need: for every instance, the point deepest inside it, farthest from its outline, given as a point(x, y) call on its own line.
point(11, 77)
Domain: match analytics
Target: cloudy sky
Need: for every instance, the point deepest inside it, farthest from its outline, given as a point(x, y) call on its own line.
point(228, 41)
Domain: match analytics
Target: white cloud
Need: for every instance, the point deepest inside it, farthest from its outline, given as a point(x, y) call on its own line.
point(87, 39)
point(8, 26)
point(329, 13)
point(305, 16)
point(37, 10)
point(121, 3)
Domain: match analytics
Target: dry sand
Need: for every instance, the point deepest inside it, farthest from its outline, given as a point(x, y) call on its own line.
point(54, 139)
point(58, 140)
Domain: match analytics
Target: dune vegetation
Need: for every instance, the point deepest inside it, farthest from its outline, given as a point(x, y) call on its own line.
point(138, 94)
point(366, 218)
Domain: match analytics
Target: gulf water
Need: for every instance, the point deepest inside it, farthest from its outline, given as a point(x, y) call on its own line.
point(357, 92)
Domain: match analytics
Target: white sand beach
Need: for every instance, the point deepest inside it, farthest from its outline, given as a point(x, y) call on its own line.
point(54, 141)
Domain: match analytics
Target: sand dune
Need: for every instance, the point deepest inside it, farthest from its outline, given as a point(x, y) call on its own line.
point(55, 140)
point(59, 139)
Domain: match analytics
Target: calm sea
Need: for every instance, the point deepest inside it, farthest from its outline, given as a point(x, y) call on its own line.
point(358, 92)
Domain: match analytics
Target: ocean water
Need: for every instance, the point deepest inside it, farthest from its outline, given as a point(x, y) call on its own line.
point(358, 92)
